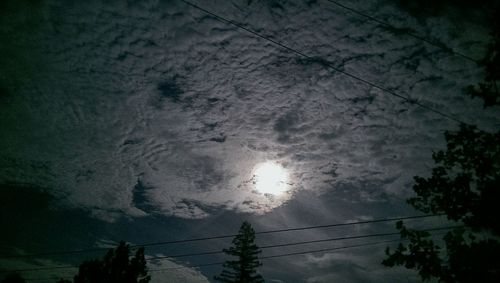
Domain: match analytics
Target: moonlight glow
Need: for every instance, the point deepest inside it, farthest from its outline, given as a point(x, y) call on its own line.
point(270, 178)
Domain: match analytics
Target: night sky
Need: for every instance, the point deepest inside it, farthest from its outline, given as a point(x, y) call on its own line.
point(151, 121)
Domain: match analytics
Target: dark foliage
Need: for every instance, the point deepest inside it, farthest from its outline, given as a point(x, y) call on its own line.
point(116, 267)
point(465, 185)
point(489, 10)
point(465, 182)
point(489, 89)
point(244, 268)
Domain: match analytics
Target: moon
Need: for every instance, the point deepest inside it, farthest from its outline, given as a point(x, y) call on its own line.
point(270, 178)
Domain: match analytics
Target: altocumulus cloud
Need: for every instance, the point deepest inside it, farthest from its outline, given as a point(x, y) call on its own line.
point(153, 107)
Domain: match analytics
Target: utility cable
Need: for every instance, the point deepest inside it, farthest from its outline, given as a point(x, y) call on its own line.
point(325, 63)
point(260, 258)
point(260, 247)
point(407, 31)
point(224, 236)
point(289, 254)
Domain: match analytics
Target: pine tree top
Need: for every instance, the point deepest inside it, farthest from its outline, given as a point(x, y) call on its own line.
point(243, 268)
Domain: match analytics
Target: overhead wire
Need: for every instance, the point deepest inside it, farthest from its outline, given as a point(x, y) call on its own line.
point(263, 247)
point(260, 258)
point(284, 254)
point(161, 243)
point(222, 262)
point(404, 30)
point(325, 63)
point(329, 65)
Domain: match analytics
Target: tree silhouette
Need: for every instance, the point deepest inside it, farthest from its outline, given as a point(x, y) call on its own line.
point(243, 269)
point(489, 89)
point(13, 278)
point(115, 267)
point(465, 186)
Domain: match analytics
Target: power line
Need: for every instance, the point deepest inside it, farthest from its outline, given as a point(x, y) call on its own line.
point(292, 254)
point(330, 249)
point(264, 257)
point(222, 262)
point(261, 247)
point(306, 242)
point(325, 63)
point(355, 237)
point(296, 229)
point(353, 223)
point(225, 236)
point(404, 30)
point(278, 255)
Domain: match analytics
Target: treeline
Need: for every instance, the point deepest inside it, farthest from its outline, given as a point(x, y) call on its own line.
point(116, 266)
point(464, 185)
point(120, 265)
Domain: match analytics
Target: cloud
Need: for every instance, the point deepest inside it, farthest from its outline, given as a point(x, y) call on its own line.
point(352, 266)
point(168, 271)
point(161, 93)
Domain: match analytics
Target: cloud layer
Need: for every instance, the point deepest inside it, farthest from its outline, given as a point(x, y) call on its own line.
point(156, 108)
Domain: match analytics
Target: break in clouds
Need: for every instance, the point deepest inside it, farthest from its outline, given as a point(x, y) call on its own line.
point(156, 108)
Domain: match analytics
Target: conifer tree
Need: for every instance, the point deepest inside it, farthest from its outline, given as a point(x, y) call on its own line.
point(243, 269)
point(116, 267)
point(464, 185)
